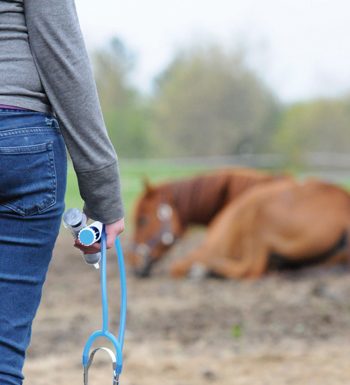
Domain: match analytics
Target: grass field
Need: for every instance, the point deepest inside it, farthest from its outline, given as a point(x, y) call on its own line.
point(132, 175)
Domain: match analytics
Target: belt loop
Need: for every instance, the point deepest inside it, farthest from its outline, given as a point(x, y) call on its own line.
point(52, 122)
point(49, 121)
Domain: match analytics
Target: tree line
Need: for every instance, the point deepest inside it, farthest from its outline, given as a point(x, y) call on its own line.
point(208, 101)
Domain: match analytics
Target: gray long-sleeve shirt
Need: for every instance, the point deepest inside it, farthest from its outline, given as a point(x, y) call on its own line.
point(44, 66)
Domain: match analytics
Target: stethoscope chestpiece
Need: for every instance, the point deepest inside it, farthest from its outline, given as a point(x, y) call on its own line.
point(91, 359)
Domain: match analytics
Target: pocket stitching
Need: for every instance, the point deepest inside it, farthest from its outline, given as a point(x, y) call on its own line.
point(46, 204)
point(32, 149)
point(19, 131)
point(53, 180)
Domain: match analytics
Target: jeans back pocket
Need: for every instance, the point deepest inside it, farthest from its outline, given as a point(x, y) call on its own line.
point(28, 178)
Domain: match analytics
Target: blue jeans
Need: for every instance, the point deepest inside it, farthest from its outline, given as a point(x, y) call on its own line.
point(33, 173)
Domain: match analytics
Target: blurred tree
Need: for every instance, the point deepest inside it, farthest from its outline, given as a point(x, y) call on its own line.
point(208, 102)
point(125, 111)
point(316, 126)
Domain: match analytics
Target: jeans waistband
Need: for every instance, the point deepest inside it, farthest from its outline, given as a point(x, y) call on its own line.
point(26, 119)
point(13, 108)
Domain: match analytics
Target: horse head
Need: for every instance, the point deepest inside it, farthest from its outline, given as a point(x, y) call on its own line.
point(156, 227)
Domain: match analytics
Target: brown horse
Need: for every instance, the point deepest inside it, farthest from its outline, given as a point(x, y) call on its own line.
point(292, 223)
point(165, 211)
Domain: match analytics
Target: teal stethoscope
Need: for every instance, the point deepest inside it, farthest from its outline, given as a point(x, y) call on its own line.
point(117, 342)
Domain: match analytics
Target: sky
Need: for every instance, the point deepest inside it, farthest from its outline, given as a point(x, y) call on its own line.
point(300, 48)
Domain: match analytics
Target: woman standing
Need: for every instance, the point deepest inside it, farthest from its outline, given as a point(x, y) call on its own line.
point(48, 99)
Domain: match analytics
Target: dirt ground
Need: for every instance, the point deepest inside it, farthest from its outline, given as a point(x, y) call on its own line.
point(286, 329)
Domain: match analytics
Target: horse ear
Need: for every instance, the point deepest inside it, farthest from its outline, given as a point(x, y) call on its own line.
point(147, 186)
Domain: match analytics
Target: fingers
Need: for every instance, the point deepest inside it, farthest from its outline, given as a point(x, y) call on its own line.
point(95, 248)
point(112, 232)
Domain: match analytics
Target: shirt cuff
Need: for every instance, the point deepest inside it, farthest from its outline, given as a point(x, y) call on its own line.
point(100, 191)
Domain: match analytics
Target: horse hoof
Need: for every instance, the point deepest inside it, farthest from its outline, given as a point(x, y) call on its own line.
point(198, 271)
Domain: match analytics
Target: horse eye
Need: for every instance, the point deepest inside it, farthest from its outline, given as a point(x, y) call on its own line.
point(142, 221)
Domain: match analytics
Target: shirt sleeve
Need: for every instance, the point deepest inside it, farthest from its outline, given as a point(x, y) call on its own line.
point(61, 58)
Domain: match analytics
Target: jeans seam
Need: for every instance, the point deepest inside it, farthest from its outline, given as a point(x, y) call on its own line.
point(54, 179)
point(17, 131)
point(31, 149)
point(17, 110)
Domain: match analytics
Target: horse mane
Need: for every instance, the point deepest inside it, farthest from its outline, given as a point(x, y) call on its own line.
point(200, 198)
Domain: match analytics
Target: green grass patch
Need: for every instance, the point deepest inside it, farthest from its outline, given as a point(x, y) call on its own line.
point(237, 331)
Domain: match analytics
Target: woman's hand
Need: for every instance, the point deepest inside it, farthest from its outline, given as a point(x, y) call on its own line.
point(112, 231)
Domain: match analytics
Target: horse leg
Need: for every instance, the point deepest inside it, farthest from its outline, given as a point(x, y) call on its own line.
point(182, 267)
point(259, 266)
point(228, 249)
point(213, 245)
point(222, 266)
point(252, 264)
point(250, 261)
point(213, 253)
